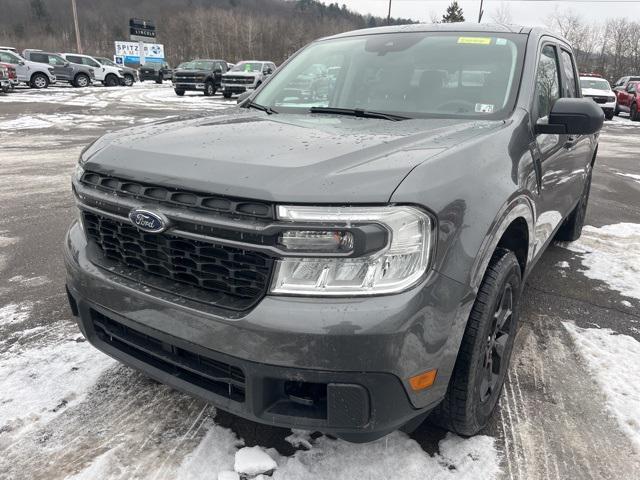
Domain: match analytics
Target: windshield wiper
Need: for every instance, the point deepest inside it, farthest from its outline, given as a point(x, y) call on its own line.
point(358, 112)
point(257, 106)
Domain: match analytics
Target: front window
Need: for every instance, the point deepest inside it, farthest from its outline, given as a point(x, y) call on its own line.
point(595, 84)
point(247, 67)
point(56, 60)
point(106, 61)
point(417, 74)
point(197, 65)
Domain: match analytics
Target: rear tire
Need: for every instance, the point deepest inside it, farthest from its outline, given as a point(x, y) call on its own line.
point(81, 80)
point(179, 92)
point(39, 81)
point(633, 112)
point(160, 79)
point(571, 228)
point(485, 351)
point(226, 94)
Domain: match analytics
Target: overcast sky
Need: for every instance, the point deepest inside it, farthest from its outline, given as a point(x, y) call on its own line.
point(526, 12)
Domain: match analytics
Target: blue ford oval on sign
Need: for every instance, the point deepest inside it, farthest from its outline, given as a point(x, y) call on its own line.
point(148, 221)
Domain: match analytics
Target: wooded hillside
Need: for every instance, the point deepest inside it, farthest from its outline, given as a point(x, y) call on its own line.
point(228, 29)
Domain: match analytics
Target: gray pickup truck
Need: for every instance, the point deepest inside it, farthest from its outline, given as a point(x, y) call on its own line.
point(202, 75)
point(64, 71)
point(349, 262)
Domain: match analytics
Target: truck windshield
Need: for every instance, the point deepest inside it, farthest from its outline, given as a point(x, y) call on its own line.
point(595, 83)
point(196, 65)
point(414, 74)
point(247, 67)
point(106, 61)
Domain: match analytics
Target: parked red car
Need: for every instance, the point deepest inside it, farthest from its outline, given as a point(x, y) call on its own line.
point(629, 100)
point(12, 76)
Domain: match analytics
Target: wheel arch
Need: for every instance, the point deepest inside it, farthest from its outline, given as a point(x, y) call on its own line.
point(513, 229)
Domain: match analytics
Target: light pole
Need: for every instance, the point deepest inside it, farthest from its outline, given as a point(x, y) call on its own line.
point(480, 12)
point(75, 22)
point(389, 14)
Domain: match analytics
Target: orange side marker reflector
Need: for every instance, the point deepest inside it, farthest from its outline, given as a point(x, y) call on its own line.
point(422, 381)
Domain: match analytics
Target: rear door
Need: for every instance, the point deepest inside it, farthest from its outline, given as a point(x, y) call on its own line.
point(61, 67)
point(21, 70)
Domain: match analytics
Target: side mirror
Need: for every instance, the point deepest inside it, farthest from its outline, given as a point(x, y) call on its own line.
point(66, 64)
point(21, 63)
point(573, 116)
point(243, 96)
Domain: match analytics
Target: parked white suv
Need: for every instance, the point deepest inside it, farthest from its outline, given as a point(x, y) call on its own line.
point(109, 76)
point(246, 76)
point(598, 89)
point(34, 74)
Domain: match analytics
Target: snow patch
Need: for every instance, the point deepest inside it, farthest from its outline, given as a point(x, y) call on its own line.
point(629, 175)
point(40, 383)
point(215, 453)
point(563, 264)
point(14, 313)
point(614, 360)
point(253, 461)
point(30, 281)
point(611, 254)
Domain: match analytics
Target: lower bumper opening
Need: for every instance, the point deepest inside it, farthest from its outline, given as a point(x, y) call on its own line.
point(217, 377)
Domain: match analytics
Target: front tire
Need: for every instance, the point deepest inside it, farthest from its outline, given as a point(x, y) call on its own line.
point(39, 81)
point(633, 112)
point(209, 89)
point(609, 116)
point(128, 81)
point(179, 92)
point(160, 79)
point(226, 94)
point(485, 351)
point(81, 80)
point(111, 81)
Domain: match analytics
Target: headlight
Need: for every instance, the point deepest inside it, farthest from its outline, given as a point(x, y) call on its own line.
point(394, 267)
point(78, 172)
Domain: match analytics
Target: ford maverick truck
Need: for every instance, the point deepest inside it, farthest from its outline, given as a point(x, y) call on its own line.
point(350, 261)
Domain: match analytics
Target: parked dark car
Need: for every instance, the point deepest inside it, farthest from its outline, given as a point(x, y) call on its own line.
point(202, 75)
point(349, 264)
point(155, 71)
point(65, 71)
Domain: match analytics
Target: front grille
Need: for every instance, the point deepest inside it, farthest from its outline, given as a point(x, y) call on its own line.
point(238, 79)
point(190, 78)
point(234, 278)
point(598, 99)
point(177, 197)
point(204, 372)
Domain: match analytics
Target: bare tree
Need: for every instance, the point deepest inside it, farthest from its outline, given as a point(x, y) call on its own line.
point(502, 14)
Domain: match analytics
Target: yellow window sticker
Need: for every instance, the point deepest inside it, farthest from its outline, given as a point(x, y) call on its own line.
point(475, 40)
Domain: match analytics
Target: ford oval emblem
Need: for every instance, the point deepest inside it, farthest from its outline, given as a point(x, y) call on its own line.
point(148, 221)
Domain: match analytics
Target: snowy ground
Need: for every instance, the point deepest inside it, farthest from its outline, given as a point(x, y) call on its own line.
point(571, 408)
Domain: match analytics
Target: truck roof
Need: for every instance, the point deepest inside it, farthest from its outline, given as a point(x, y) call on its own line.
point(451, 27)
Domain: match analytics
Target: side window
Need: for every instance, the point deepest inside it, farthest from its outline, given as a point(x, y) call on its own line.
point(569, 75)
point(7, 58)
point(74, 59)
point(90, 62)
point(56, 60)
point(39, 57)
point(631, 88)
point(547, 81)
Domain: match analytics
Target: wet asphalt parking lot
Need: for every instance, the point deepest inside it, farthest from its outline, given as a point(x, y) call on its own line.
point(67, 411)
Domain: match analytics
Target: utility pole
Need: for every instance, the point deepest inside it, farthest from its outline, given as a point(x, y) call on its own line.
point(75, 21)
point(389, 14)
point(480, 12)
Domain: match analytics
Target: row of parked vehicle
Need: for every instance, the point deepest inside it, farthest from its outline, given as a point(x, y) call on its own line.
point(210, 75)
point(39, 69)
point(623, 97)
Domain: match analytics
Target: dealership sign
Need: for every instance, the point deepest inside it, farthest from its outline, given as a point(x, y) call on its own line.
point(142, 30)
point(130, 51)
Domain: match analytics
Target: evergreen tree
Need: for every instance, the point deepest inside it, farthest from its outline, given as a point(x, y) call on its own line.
point(454, 13)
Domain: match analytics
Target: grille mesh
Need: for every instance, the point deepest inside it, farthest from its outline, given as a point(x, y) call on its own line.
point(242, 276)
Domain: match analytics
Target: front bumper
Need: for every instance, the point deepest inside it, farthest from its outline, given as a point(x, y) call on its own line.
point(355, 354)
point(188, 86)
point(237, 88)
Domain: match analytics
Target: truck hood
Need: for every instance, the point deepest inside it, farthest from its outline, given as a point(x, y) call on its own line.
point(597, 93)
point(240, 74)
point(280, 157)
point(191, 71)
